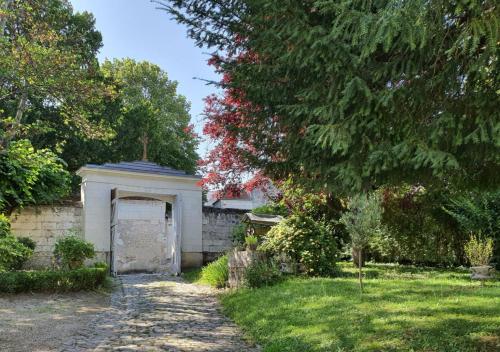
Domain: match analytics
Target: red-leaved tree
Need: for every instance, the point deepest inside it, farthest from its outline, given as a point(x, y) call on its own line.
point(231, 166)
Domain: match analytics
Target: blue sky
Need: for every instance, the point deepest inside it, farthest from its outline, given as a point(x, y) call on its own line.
point(137, 29)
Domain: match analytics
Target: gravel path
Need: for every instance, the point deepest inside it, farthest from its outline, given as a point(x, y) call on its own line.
point(43, 322)
point(159, 313)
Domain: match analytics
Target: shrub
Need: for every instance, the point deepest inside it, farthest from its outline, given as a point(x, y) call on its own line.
point(13, 254)
point(479, 251)
point(271, 209)
point(216, 273)
point(4, 225)
point(418, 231)
point(29, 176)
point(52, 281)
point(100, 265)
point(476, 213)
point(72, 251)
point(262, 273)
point(251, 241)
point(28, 242)
point(238, 235)
point(309, 242)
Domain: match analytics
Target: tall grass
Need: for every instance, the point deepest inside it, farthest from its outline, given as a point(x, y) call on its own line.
point(216, 273)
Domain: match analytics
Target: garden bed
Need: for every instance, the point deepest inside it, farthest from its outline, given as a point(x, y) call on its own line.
point(402, 309)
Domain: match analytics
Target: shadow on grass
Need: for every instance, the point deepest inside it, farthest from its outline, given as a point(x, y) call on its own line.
point(443, 313)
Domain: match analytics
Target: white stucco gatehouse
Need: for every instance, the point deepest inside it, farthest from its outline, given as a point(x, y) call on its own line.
point(143, 216)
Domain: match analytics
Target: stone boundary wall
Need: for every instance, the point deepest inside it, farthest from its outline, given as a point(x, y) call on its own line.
point(45, 224)
point(217, 227)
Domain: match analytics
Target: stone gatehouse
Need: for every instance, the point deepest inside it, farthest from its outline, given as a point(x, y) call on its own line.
point(140, 217)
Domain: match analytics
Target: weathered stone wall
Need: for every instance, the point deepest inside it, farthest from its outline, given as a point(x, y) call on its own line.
point(140, 238)
point(217, 228)
point(45, 224)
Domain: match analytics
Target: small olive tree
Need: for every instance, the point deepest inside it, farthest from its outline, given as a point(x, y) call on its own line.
point(362, 220)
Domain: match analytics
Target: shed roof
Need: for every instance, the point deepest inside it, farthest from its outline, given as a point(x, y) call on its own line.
point(262, 219)
point(143, 167)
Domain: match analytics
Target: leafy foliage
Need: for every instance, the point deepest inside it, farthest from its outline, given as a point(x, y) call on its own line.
point(350, 94)
point(272, 208)
point(238, 235)
point(29, 176)
point(153, 119)
point(418, 230)
point(251, 241)
point(363, 219)
point(306, 241)
point(474, 213)
point(53, 281)
point(28, 242)
point(321, 206)
point(13, 253)
point(262, 273)
point(73, 251)
point(479, 250)
point(4, 225)
point(48, 60)
point(216, 273)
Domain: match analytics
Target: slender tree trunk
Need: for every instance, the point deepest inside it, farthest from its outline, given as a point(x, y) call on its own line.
point(360, 268)
point(21, 108)
point(145, 141)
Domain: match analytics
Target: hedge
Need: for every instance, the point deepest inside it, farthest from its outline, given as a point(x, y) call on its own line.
point(52, 281)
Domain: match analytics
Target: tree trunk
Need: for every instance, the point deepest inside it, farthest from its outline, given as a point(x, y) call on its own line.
point(21, 108)
point(145, 141)
point(355, 257)
point(360, 269)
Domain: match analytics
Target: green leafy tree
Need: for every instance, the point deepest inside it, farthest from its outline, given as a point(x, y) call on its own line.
point(362, 220)
point(350, 94)
point(48, 60)
point(154, 120)
point(29, 176)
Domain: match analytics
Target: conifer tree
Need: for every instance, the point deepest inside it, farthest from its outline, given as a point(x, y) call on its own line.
point(350, 94)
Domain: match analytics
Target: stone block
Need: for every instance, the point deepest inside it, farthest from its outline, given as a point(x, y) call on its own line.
point(191, 260)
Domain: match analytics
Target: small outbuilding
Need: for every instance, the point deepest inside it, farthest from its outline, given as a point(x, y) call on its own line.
point(259, 224)
point(142, 217)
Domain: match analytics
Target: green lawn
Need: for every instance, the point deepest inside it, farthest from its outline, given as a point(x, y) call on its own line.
point(402, 309)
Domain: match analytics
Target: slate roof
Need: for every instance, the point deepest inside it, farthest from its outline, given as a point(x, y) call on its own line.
point(262, 219)
point(144, 167)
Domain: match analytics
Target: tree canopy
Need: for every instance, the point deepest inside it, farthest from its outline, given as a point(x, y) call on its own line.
point(353, 94)
point(47, 59)
point(154, 120)
point(61, 109)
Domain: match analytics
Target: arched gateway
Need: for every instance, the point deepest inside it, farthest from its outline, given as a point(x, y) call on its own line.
point(147, 217)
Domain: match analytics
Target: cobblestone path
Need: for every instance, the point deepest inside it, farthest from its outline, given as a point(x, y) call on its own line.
point(160, 313)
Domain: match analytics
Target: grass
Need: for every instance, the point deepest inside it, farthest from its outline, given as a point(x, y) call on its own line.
point(214, 274)
point(193, 276)
point(402, 309)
